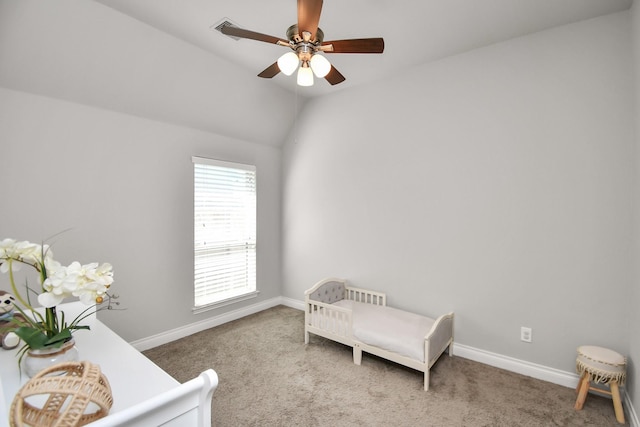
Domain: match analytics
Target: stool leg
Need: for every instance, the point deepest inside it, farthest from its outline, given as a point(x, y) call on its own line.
point(617, 404)
point(580, 382)
point(583, 388)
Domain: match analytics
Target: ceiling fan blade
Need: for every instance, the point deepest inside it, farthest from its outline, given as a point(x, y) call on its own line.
point(373, 45)
point(270, 71)
point(334, 77)
point(309, 16)
point(247, 34)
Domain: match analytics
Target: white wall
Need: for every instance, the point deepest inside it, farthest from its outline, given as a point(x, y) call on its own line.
point(496, 183)
point(124, 183)
point(125, 187)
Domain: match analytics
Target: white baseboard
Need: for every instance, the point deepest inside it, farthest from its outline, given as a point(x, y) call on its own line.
point(545, 373)
point(552, 375)
point(630, 412)
point(293, 303)
point(184, 331)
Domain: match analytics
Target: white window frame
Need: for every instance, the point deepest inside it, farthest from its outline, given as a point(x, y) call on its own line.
point(230, 239)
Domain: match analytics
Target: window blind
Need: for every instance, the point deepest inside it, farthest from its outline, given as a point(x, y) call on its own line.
point(224, 230)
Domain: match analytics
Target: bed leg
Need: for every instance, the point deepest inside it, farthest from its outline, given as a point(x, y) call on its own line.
point(426, 380)
point(357, 354)
point(306, 337)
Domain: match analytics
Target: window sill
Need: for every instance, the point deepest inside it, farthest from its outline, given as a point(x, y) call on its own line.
point(222, 303)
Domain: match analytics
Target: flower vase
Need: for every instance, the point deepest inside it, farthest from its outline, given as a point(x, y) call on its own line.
point(36, 360)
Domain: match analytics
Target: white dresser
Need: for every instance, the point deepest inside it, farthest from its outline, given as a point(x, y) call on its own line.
point(133, 377)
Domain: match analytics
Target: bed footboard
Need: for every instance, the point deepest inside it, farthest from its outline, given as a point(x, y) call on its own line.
point(439, 338)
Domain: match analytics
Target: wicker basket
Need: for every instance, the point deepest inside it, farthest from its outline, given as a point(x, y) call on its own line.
point(69, 389)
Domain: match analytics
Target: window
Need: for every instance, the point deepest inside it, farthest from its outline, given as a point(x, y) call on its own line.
point(224, 232)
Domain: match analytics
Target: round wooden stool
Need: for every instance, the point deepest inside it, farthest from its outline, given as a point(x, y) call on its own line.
point(600, 365)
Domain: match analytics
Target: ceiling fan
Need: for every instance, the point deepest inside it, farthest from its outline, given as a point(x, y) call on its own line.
point(306, 41)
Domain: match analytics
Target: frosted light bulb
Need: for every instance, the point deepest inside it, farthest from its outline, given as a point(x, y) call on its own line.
point(305, 76)
point(320, 65)
point(288, 63)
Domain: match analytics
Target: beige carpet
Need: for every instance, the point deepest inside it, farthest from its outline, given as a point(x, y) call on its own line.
point(269, 377)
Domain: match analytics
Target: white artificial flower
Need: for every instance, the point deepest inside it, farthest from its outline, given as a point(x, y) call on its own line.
point(102, 275)
point(61, 282)
point(88, 282)
point(6, 247)
point(7, 252)
point(94, 282)
point(89, 294)
point(30, 253)
point(49, 299)
point(51, 265)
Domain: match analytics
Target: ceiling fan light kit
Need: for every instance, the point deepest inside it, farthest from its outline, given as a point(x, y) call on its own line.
point(288, 63)
point(320, 65)
point(305, 76)
point(305, 40)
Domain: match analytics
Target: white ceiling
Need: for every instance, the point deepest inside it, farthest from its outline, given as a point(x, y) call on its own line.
point(415, 31)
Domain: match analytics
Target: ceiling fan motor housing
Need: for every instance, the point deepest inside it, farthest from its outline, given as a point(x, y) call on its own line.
point(294, 36)
point(304, 48)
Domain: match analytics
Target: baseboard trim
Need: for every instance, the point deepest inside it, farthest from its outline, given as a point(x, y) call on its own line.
point(541, 372)
point(293, 303)
point(184, 331)
point(534, 370)
point(630, 412)
point(523, 367)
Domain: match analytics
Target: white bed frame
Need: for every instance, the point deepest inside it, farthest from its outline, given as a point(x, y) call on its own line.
point(188, 404)
point(335, 323)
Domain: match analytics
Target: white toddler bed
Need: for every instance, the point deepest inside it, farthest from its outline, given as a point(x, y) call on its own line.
point(361, 319)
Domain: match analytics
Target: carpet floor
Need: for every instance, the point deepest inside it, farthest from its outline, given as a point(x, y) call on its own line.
point(269, 377)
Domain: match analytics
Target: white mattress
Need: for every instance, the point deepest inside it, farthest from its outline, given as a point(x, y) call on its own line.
point(389, 328)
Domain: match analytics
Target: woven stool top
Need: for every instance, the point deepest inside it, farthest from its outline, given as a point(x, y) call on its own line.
point(604, 365)
point(601, 354)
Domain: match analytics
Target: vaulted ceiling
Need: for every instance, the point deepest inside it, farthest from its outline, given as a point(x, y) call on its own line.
point(415, 32)
point(162, 60)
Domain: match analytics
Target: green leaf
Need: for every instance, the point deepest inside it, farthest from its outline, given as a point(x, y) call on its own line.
point(34, 338)
point(59, 339)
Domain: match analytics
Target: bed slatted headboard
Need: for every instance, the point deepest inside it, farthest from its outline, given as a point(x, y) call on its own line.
point(328, 293)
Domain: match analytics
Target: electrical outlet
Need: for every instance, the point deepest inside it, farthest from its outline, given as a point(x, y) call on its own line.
point(525, 334)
